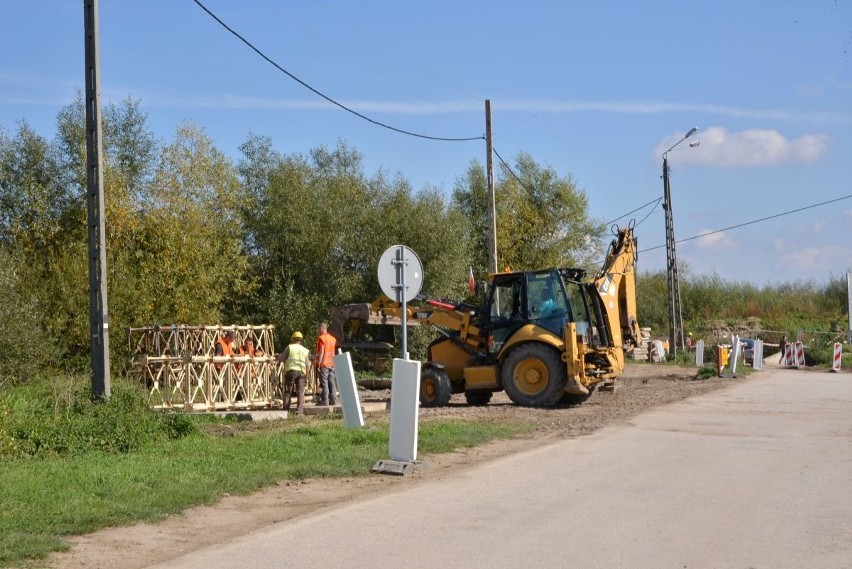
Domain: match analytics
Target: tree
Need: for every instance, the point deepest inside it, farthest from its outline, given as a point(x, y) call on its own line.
point(318, 225)
point(542, 219)
point(184, 256)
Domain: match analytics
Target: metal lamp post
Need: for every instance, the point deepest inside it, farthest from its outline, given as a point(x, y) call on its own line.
point(675, 315)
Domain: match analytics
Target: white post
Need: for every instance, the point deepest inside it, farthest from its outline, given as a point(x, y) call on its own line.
point(405, 404)
point(353, 418)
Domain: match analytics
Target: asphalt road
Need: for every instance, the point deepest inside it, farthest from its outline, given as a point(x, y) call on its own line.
point(755, 476)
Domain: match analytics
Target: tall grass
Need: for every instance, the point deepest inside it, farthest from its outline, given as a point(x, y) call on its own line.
point(710, 302)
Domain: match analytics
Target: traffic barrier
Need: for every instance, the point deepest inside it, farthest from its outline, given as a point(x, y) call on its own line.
point(736, 349)
point(726, 357)
point(800, 355)
point(721, 360)
point(838, 351)
point(757, 355)
point(789, 355)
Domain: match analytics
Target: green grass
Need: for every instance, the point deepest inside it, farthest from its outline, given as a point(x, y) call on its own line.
point(45, 499)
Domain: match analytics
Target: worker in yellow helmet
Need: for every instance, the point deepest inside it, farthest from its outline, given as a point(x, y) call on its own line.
point(297, 363)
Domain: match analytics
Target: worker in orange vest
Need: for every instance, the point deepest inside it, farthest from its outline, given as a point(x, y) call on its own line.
point(324, 362)
point(224, 346)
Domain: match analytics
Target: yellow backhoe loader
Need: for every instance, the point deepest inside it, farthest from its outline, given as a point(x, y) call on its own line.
point(543, 336)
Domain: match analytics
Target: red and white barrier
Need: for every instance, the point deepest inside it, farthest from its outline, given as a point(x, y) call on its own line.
point(838, 350)
point(789, 355)
point(800, 355)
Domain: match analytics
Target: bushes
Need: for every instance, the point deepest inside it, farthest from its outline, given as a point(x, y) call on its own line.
point(57, 417)
point(25, 347)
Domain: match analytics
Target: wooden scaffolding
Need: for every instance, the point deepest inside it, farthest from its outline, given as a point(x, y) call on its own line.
point(179, 368)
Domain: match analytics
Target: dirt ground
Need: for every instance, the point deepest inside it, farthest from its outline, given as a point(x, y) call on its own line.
point(643, 387)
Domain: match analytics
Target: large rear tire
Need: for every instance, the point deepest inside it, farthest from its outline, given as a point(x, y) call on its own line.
point(534, 375)
point(435, 389)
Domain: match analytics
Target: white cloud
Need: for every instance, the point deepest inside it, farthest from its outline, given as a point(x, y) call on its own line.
point(751, 147)
point(815, 258)
point(419, 107)
point(715, 241)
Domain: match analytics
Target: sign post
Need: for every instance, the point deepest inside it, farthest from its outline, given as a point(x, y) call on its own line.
point(401, 276)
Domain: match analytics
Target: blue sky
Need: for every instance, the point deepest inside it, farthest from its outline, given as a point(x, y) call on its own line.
point(596, 90)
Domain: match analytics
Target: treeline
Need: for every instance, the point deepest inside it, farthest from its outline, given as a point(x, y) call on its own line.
point(196, 237)
point(711, 304)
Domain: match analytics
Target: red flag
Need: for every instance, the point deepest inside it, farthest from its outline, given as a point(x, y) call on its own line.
point(471, 282)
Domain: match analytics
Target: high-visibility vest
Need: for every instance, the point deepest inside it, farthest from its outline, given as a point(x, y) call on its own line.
point(227, 350)
point(242, 352)
point(296, 356)
point(327, 342)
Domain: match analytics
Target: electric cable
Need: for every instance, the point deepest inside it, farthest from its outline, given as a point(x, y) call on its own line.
point(654, 201)
point(752, 222)
point(324, 96)
point(653, 209)
point(509, 168)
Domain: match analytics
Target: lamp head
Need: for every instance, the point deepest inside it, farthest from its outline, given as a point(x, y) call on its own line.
point(692, 131)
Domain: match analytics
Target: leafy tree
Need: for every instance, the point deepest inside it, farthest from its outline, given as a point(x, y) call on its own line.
point(32, 196)
point(184, 256)
point(652, 301)
point(317, 225)
point(542, 219)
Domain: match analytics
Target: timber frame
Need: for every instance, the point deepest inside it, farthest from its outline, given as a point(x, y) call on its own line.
point(179, 369)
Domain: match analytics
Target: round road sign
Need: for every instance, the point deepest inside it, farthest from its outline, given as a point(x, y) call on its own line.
point(400, 273)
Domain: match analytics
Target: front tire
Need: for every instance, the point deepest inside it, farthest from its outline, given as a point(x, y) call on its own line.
point(435, 389)
point(534, 375)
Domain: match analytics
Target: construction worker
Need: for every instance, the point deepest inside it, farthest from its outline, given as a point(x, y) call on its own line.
point(224, 347)
point(297, 362)
point(689, 345)
point(248, 348)
point(324, 363)
point(548, 305)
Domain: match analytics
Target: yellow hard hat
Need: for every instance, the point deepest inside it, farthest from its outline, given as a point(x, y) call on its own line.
point(296, 336)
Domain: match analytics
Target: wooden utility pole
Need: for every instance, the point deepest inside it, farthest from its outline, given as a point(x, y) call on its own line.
point(492, 204)
point(98, 318)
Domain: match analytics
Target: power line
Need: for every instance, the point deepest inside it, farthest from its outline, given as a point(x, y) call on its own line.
point(653, 209)
point(654, 201)
point(512, 172)
point(754, 221)
point(398, 53)
point(324, 96)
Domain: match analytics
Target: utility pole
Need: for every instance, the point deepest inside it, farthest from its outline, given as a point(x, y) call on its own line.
point(673, 280)
point(492, 202)
point(98, 317)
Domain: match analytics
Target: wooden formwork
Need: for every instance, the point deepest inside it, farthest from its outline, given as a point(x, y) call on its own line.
point(178, 366)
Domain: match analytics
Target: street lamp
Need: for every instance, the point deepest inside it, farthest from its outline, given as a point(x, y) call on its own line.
point(675, 313)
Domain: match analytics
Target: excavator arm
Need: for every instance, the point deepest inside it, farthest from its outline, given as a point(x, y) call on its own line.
point(615, 285)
